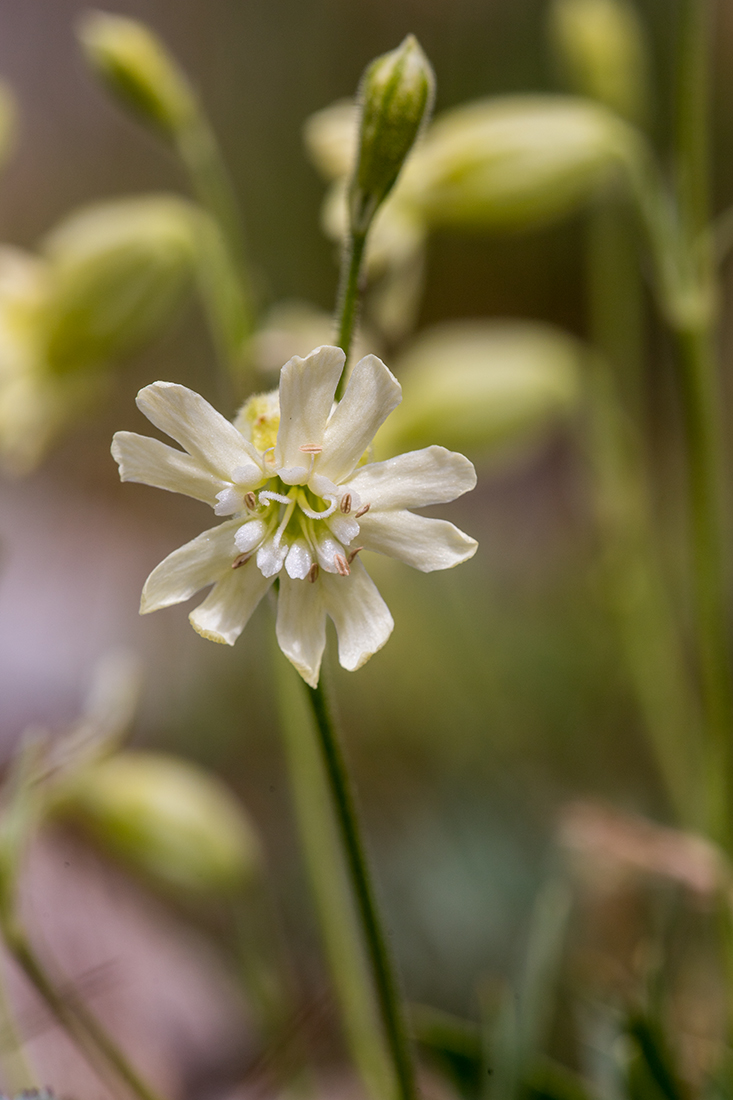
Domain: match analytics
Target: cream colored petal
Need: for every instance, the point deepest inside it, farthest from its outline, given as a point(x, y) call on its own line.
point(371, 395)
point(414, 480)
point(425, 544)
point(191, 567)
point(227, 609)
point(186, 417)
point(307, 387)
point(361, 617)
point(301, 625)
point(151, 462)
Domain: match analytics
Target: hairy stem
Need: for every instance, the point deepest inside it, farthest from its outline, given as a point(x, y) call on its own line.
point(348, 298)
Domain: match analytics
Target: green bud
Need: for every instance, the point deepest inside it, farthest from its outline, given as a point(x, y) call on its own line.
point(601, 45)
point(138, 70)
point(168, 820)
point(480, 387)
point(516, 160)
point(396, 94)
point(117, 270)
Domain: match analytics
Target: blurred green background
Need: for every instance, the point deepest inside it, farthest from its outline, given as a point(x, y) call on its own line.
point(501, 695)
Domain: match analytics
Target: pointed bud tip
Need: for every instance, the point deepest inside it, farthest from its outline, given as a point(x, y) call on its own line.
point(396, 92)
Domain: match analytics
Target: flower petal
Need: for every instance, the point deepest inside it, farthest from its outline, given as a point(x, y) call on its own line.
point(189, 568)
point(186, 417)
point(371, 395)
point(415, 480)
point(301, 626)
point(151, 462)
point(307, 387)
point(227, 609)
point(419, 541)
point(361, 617)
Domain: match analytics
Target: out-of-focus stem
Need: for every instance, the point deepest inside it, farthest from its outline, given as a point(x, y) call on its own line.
point(92, 1039)
point(331, 889)
point(18, 1073)
point(632, 575)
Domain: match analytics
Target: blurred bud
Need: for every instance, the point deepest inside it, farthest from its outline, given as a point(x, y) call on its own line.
point(516, 160)
point(295, 328)
point(331, 138)
point(138, 70)
point(168, 820)
point(396, 94)
point(480, 386)
point(117, 271)
point(259, 419)
point(600, 43)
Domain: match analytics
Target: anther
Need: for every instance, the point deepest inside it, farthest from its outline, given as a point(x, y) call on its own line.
point(362, 511)
point(251, 501)
point(345, 504)
point(313, 572)
point(353, 554)
point(311, 449)
point(342, 566)
point(241, 560)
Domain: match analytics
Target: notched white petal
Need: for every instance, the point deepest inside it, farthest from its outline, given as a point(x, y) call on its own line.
point(189, 568)
point(151, 462)
point(299, 560)
point(301, 626)
point(270, 557)
point(417, 479)
point(248, 476)
point(371, 395)
point(228, 501)
point(362, 619)
point(345, 528)
point(250, 535)
point(227, 609)
point(307, 387)
point(424, 543)
point(186, 417)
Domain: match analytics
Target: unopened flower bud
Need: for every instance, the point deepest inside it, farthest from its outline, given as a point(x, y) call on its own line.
point(138, 70)
point(166, 819)
point(600, 43)
point(396, 94)
point(516, 160)
point(116, 272)
point(483, 386)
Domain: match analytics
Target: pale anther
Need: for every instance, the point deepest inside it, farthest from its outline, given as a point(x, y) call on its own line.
point(353, 554)
point(342, 566)
point(345, 505)
point(362, 511)
point(250, 500)
point(241, 560)
point(311, 449)
point(313, 572)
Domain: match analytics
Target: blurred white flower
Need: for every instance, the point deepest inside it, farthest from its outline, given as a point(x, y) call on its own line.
point(291, 474)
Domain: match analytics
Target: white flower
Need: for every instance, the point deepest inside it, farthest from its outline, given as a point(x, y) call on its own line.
point(303, 504)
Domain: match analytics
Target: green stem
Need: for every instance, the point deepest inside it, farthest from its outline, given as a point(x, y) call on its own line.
point(324, 857)
point(348, 298)
point(633, 585)
point(706, 494)
point(385, 981)
point(227, 290)
point(98, 1047)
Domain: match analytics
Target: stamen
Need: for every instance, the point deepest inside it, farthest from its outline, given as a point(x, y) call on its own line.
point(311, 449)
point(251, 501)
point(362, 511)
point(241, 560)
point(345, 504)
point(342, 566)
point(266, 496)
point(313, 572)
point(353, 554)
